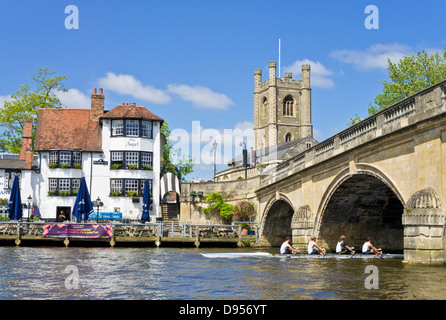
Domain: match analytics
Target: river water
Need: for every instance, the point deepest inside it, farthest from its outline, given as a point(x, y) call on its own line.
point(175, 274)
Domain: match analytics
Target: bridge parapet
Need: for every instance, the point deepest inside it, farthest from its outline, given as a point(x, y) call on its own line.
point(426, 104)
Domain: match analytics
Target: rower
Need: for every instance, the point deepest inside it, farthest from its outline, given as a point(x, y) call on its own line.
point(368, 248)
point(343, 248)
point(287, 248)
point(313, 248)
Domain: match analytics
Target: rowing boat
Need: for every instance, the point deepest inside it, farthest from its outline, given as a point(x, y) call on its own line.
point(301, 255)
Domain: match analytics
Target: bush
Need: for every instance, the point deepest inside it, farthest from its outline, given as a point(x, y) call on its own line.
point(244, 211)
point(219, 207)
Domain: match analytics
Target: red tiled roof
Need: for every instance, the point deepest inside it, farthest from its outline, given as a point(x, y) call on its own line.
point(130, 110)
point(67, 129)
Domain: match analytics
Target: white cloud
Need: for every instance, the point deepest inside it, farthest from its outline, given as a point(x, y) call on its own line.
point(374, 57)
point(129, 85)
point(201, 96)
point(319, 75)
point(74, 99)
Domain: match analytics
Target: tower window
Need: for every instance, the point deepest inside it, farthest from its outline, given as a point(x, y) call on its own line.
point(288, 137)
point(265, 108)
point(288, 106)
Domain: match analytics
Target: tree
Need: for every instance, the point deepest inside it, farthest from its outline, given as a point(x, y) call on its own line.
point(185, 163)
point(407, 77)
point(219, 207)
point(244, 210)
point(25, 103)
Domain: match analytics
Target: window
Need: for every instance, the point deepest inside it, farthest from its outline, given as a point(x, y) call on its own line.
point(65, 159)
point(75, 184)
point(288, 106)
point(54, 157)
point(116, 185)
point(288, 137)
point(132, 128)
point(131, 160)
point(146, 159)
point(63, 186)
point(128, 187)
point(142, 187)
point(9, 178)
point(146, 129)
point(265, 108)
point(52, 184)
point(131, 186)
point(117, 127)
point(77, 157)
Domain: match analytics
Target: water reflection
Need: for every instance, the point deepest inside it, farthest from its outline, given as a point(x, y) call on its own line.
point(170, 273)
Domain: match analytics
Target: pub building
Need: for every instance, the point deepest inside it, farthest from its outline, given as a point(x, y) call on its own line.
point(115, 150)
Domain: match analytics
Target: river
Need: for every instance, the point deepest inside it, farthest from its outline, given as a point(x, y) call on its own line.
point(80, 273)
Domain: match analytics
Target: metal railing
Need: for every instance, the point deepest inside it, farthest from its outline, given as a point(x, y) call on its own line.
point(164, 229)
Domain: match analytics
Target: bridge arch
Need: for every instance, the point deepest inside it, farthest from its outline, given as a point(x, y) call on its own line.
point(276, 219)
point(359, 204)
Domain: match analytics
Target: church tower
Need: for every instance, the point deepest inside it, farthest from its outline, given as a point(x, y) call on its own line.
point(282, 107)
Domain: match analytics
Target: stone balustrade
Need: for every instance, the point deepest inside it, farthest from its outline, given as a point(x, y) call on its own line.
point(422, 106)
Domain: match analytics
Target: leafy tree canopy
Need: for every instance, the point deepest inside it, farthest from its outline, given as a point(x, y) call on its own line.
point(25, 103)
point(218, 206)
point(410, 75)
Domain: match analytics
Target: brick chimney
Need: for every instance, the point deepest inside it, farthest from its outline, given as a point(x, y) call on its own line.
point(97, 105)
point(26, 150)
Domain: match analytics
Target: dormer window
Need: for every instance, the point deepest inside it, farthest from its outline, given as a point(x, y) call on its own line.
point(132, 128)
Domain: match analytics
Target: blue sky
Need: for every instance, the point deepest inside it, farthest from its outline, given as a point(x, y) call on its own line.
point(192, 62)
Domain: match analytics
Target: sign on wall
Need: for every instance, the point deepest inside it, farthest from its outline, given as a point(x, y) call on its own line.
point(77, 231)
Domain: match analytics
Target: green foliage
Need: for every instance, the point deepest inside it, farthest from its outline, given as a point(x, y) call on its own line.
point(25, 103)
point(244, 211)
point(218, 206)
point(354, 120)
point(407, 77)
point(185, 163)
point(412, 74)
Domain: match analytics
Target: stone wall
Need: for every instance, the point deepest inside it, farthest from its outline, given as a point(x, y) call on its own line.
point(232, 192)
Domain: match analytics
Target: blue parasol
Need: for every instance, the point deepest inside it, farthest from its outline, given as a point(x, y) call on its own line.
point(82, 206)
point(145, 217)
point(15, 210)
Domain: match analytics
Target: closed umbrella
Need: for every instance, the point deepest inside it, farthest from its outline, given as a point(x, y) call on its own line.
point(145, 203)
point(15, 210)
point(82, 206)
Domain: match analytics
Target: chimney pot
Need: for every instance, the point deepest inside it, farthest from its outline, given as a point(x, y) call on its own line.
point(101, 91)
point(94, 90)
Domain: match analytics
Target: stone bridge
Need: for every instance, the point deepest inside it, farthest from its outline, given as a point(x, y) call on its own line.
point(384, 178)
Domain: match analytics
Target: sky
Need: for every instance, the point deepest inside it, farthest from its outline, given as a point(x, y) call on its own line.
point(192, 62)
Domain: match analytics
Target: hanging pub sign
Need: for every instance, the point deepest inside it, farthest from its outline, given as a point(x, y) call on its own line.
point(100, 161)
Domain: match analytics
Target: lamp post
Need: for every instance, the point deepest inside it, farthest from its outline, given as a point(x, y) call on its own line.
point(214, 145)
point(97, 203)
point(245, 159)
point(30, 199)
